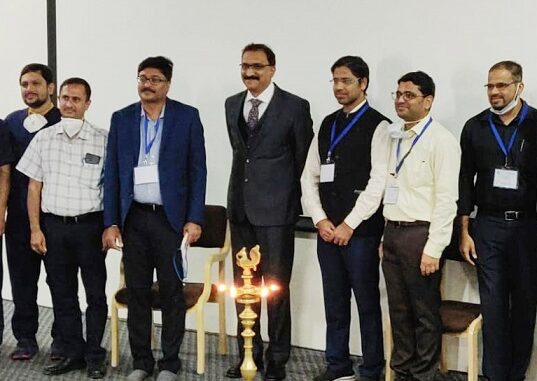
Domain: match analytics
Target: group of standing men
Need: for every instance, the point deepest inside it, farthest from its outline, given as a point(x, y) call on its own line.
point(361, 177)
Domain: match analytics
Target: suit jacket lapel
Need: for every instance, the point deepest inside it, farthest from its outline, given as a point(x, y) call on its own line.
point(270, 116)
point(133, 124)
point(235, 115)
point(169, 123)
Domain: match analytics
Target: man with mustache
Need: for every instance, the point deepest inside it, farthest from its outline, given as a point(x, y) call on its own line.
point(270, 132)
point(349, 226)
point(65, 167)
point(154, 194)
point(37, 87)
point(499, 176)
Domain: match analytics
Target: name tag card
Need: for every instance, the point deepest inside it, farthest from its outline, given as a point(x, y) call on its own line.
point(327, 172)
point(505, 178)
point(146, 174)
point(391, 193)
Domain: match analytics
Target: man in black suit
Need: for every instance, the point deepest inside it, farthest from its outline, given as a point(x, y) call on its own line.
point(270, 132)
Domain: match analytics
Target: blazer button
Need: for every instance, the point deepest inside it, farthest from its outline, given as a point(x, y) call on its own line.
point(245, 180)
point(247, 161)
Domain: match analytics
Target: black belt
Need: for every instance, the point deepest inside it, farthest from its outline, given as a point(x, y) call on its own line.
point(509, 215)
point(75, 219)
point(148, 207)
point(400, 224)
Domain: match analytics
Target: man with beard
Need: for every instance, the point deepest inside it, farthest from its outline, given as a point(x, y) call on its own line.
point(499, 176)
point(270, 132)
point(37, 87)
point(154, 193)
point(349, 226)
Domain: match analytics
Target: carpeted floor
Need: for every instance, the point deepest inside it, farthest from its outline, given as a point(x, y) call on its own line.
point(303, 365)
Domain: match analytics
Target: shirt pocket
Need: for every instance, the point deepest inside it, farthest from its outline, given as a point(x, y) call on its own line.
point(91, 173)
point(420, 170)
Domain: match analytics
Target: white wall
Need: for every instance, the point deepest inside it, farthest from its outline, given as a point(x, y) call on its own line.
point(103, 41)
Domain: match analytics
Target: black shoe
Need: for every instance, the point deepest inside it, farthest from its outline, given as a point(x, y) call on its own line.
point(235, 370)
point(329, 376)
point(97, 369)
point(26, 350)
point(275, 373)
point(64, 365)
point(56, 350)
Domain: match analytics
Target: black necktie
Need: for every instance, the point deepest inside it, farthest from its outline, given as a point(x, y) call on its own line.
point(253, 115)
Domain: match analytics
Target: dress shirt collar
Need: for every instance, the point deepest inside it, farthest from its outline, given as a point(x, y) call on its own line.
point(142, 112)
point(418, 128)
point(357, 107)
point(264, 97)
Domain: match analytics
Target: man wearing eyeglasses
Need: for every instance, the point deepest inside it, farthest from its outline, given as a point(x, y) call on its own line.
point(349, 226)
point(154, 193)
point(270, 132)
point(65, 165)
point(37, 87)
point(499, 148)
point(419, 205)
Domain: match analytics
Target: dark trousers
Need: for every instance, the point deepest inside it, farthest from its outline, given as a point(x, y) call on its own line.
point(24, 268)
point(151, 243)
point(507, 274)
point(71, 246)
point(344, 268)
point(414, 303)
point(277, 252)
point(1, 299)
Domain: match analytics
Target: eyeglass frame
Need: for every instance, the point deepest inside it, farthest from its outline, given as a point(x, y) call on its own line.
point(407, 95)
point(153, 81)
point(500, 86)
point(345, 81)
point(255, 67)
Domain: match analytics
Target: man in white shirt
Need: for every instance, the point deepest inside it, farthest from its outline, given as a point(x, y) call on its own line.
point(65, 166)
point(419, 206)
point(350, 226)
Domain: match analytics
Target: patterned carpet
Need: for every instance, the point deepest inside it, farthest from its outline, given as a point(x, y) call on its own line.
point(303, 365)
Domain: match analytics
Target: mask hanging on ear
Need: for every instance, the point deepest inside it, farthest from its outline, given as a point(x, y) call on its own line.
point(508, 107)
point(34, 122)
point(396, 130)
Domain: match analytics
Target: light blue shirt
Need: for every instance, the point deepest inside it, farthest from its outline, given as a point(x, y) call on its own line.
point(149, 193)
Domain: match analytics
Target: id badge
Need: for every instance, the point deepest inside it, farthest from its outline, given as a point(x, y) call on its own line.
point(506, 178)
point(391, 193)
point(327, 172)
point(146, 174)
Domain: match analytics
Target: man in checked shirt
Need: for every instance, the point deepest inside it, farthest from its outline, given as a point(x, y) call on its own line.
point(65, 167)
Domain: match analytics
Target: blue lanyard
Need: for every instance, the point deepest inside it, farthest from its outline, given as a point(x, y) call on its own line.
point(149, 145)
point(399, 163)
point(499, 140)
point(334, 141)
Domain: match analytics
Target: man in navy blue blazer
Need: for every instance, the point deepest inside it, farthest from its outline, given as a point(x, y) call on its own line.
point(154, 193)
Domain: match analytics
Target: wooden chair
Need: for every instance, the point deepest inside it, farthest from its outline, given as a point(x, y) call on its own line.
point(459, 319)
point(215, 235)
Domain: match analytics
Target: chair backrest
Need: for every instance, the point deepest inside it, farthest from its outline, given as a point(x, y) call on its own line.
point(214, 228)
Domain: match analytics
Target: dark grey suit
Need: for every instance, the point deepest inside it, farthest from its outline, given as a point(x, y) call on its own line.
point(264, 201)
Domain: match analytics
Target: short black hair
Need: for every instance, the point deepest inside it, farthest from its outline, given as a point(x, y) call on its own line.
point(44, 70)
point(424, 82)
point(78, 81)
point(513, 67)
point(271, 57)
point(355, 64)
point(165, 65)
